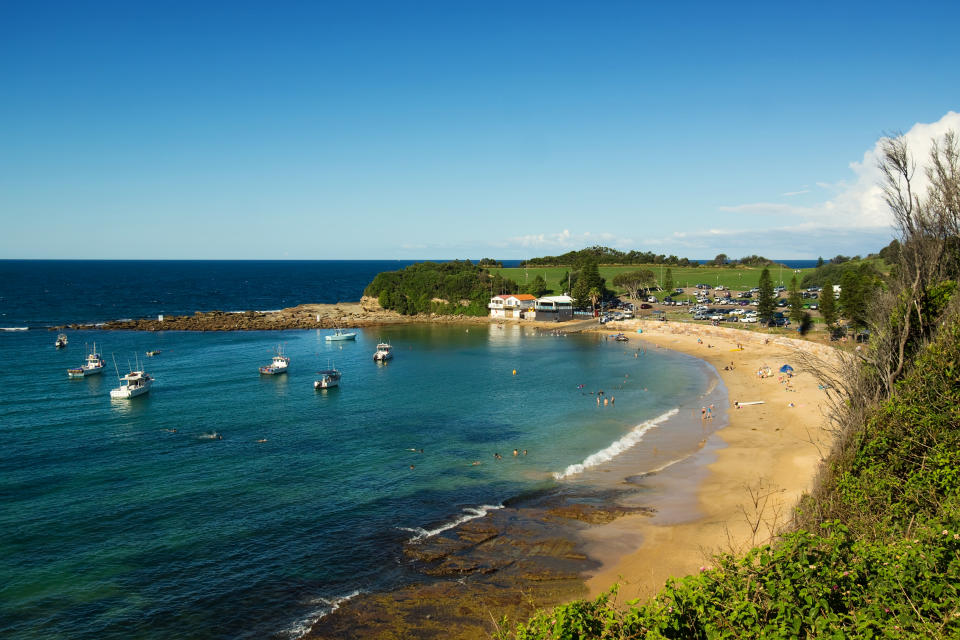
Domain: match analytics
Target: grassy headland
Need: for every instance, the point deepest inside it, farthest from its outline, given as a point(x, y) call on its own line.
point(737, 278)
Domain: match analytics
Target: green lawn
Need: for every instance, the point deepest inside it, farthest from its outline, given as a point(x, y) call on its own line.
point(737, 278)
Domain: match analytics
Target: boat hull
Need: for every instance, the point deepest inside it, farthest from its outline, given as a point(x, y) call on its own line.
point(272, 371)
point(325, 384)
point(341, 336)
point(130, 392)
point(83, 372)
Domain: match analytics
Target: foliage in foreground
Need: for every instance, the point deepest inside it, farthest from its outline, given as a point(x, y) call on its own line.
point(879, 555)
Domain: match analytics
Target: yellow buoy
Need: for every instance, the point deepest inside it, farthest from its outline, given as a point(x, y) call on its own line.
point(514, 372)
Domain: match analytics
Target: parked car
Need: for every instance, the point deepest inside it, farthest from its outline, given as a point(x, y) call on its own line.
point(748, 319)
point(814, 306)
point(778, 322)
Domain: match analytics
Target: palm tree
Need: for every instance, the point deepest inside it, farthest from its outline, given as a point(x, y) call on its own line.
point(594, 295)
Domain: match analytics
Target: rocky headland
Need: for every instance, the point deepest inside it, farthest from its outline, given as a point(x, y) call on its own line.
point(365, 313)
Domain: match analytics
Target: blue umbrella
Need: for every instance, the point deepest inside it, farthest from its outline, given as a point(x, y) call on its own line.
point(786, 369)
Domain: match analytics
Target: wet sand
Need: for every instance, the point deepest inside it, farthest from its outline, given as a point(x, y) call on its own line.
point(741, 487)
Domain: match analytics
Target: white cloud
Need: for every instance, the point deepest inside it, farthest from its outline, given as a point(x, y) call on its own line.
point(566, 240)
point(859, 204)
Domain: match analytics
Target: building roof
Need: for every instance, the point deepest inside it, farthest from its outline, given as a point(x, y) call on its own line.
point(559, 299)
point(518, 296)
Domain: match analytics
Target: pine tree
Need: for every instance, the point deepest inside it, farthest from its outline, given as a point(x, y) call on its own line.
point(765, 297)
point(796, 302)
point(668, 281)
point(828, 304)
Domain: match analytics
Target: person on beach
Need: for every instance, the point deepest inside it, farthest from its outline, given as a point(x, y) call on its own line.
point(703, 413)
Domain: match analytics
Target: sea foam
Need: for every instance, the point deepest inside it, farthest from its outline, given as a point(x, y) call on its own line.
point(326, 606)
point(469, 513)
point(619, 446)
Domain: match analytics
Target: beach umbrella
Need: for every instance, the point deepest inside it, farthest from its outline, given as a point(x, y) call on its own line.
point(786, 369)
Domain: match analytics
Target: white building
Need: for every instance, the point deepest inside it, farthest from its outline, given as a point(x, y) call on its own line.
point(510, 306)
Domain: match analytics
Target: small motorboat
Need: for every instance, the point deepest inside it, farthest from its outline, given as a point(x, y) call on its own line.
point(340, 334)
point(155, 352)
point(384, 352)
point(621, 338)
point(328, 379)
point(61, 341)
point(92, 366)
point(279, 364)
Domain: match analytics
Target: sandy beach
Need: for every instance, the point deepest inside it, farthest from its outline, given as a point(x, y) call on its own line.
point(756, 467)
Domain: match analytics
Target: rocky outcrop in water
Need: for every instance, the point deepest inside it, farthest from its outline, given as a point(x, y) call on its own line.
point(508, 563)
point(366, 313)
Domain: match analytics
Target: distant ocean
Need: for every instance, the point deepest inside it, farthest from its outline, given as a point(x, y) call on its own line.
point(44, 293)
point(133, 519)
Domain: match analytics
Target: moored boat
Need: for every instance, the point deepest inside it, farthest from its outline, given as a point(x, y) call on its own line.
point(340, 334)
point(61, 341)
point(92, 366)
point(135, 383)
point(384, 352)
point(279, 364)
point(329, 378)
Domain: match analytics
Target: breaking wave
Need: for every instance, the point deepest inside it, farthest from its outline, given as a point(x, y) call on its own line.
point(619, 446)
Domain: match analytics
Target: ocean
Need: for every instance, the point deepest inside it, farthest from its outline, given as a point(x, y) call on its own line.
point(225, 504)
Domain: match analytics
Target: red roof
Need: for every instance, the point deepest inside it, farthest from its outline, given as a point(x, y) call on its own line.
point(524, 296)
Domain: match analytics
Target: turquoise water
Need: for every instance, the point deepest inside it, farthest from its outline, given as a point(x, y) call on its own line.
point(114, 526)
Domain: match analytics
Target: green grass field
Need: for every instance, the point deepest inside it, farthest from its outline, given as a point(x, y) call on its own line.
point(737, 278)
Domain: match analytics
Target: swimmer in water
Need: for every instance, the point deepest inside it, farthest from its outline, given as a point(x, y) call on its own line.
point(475, 463)
point(516, 452)
point(261, 440)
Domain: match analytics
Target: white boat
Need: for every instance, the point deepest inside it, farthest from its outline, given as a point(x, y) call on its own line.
point(92, 366)
point(340, 334)
point(61, 341)
point(328, 379)
point(279, 364)
point(135, 383)
point(384, 352)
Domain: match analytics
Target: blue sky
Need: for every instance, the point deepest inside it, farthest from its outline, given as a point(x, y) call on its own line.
point(459, 129)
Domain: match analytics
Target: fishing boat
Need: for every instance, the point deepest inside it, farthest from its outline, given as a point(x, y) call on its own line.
point(61, 341)
point(328, 378)
point(340, 334)
point(155, 352)
point(384, 352)
point(279, 364)
point(135, 383)
point(92, 366)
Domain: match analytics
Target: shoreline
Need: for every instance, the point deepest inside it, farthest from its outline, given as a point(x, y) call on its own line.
point(691, 509)
point(753, 470)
